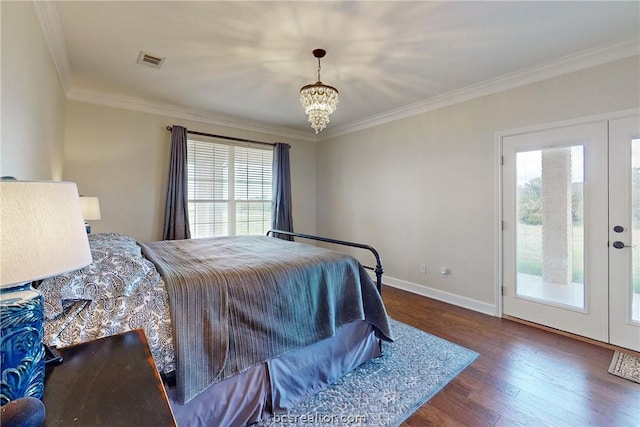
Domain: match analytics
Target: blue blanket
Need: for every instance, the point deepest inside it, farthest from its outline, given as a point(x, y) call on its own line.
point(239, 301)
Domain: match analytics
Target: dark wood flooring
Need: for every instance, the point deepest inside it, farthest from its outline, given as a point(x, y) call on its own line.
point(524, 376)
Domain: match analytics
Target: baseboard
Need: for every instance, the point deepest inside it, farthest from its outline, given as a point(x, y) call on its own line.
point(439, 295)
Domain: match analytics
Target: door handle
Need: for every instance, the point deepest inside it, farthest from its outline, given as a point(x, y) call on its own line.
point(619, 245)
point(618, 229)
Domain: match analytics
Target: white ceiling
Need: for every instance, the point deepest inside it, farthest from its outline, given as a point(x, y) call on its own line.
point(243, 63)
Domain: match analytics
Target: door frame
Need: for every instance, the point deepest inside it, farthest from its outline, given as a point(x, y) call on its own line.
point(499, 136)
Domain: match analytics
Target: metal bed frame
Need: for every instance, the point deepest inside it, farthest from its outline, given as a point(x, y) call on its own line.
point(378, 268)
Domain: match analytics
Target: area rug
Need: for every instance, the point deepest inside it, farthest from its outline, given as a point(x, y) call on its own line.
point(387, 390)
point(626, 366)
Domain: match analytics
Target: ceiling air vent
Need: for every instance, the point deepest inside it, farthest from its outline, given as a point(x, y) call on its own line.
point(150, 60)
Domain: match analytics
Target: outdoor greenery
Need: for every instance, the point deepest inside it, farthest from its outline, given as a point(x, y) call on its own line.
point(530, 229)
point(530, 251)
point(635, 196)
point(530, 202)
point(635, 221)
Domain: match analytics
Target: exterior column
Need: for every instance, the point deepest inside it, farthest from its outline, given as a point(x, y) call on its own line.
point(557, 231)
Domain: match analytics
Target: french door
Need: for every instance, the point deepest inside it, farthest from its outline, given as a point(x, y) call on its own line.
point(624, 232)
point(570, 210)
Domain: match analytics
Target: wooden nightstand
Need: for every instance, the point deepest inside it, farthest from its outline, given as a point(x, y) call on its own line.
point(111, 381)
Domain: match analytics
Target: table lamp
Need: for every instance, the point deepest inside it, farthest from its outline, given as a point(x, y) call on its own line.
point(90, 210)
point(41, 235)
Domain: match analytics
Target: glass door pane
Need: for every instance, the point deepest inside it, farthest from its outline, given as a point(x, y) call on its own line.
point(635, 229)
point(550, 228)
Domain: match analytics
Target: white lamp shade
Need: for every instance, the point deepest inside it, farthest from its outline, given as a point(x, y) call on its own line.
point(42, 231)
point(90, 208)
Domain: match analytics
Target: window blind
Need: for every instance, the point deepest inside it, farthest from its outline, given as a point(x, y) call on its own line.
point(228, 188)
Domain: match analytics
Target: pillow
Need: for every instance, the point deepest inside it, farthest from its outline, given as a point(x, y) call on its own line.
point(118, 269)
point(114, 243)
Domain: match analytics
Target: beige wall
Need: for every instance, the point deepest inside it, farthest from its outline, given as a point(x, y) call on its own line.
point(122, 157)
point(423, 189)
point(32, 99)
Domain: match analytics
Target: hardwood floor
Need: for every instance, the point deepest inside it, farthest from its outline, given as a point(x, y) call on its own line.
point(524, 376)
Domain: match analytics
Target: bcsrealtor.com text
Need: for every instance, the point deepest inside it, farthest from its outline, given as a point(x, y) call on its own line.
point(316, 419)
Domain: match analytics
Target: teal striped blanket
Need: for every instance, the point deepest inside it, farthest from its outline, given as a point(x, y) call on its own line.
point(239, 301)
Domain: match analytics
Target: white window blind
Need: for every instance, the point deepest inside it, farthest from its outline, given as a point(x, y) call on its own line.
point(229, 189)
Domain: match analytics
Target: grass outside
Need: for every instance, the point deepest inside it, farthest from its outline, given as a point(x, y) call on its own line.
point(529, 260)
point(530, 251)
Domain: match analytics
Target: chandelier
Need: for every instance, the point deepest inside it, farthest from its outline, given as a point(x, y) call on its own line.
point(319, 100)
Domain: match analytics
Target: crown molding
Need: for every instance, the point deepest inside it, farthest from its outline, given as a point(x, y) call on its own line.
point(587, 58)
point(91, 96)
point(49, 19)
point(52, 30)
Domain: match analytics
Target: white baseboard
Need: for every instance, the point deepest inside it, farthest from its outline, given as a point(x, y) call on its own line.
point(439, 295)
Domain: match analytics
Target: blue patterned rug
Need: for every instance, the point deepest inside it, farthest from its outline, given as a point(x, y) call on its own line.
point(387, 390)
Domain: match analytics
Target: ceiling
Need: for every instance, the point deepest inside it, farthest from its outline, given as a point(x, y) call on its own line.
point(243, 63)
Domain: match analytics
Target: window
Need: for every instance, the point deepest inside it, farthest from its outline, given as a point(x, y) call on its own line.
point(229, 189)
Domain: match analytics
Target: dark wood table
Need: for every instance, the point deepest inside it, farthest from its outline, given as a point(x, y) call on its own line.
point(111, 381)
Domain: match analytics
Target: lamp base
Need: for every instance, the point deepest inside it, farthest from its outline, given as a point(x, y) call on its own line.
point(22, 364)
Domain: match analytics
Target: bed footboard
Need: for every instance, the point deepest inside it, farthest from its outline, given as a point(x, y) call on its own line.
point(378, 268)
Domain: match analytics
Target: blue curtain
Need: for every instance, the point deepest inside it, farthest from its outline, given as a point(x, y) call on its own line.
point(176, 215)
point(281, 218)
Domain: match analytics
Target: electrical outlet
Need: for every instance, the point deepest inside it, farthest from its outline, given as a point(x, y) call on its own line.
point(423, 269)
point(444, 271)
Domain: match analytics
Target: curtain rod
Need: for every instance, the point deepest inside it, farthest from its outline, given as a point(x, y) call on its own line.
point(231, 138)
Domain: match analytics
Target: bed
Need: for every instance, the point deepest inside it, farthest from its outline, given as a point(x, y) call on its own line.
point(240, 327)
